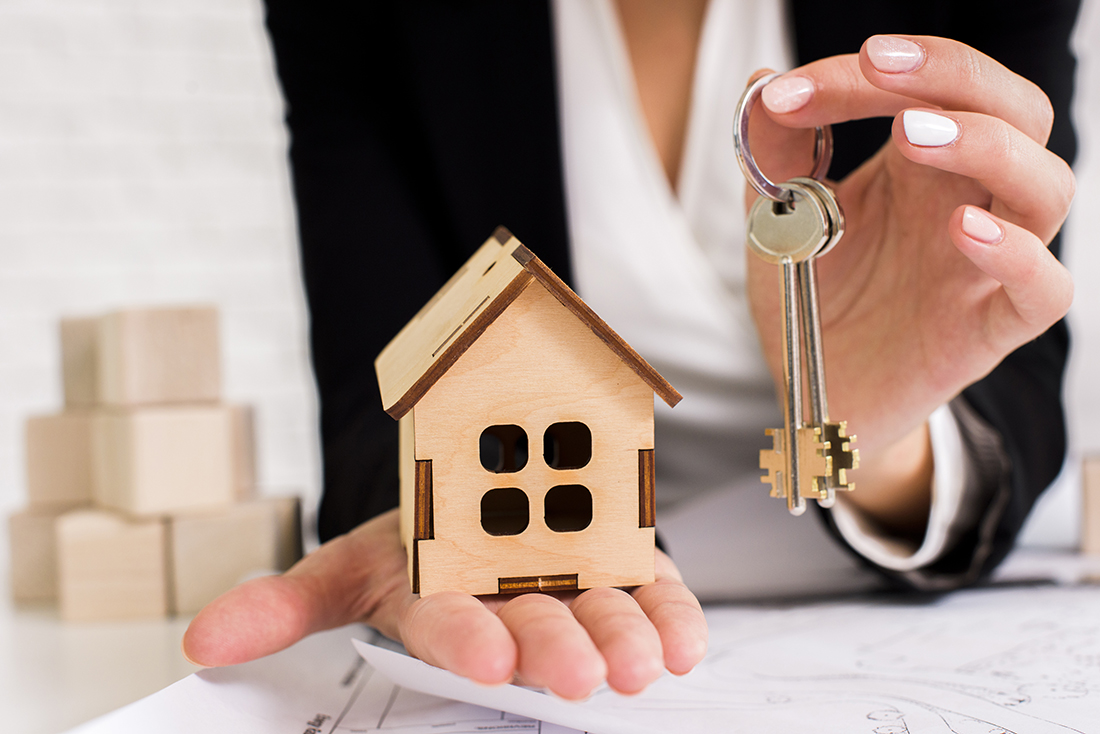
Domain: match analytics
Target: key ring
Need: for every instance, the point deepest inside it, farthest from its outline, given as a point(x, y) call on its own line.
point(823, 146)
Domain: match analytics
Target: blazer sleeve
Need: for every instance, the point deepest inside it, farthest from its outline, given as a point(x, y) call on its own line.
point(415, 129)
point(1020, 400)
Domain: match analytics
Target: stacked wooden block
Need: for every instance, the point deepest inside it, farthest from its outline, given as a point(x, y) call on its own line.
point(1090, 504)
point(141, 491)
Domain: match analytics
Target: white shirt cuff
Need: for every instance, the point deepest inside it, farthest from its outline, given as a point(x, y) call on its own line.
point(951, 465)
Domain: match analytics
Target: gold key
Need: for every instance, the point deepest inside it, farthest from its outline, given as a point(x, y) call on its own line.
point(790, 225)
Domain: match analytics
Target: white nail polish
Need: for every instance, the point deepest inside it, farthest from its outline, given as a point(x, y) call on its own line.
point(929, 130)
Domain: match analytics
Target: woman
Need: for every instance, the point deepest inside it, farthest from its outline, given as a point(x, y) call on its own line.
point(594, 128)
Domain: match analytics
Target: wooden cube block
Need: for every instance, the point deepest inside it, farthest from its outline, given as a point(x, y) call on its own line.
point(59, 460)
point(159, 355)
point(1090, 497)
point(211, 552)
point(33, 556)
point(288, 530)
point(80, 361)
point(244, 450)
point(110, 567)
point(160, 460)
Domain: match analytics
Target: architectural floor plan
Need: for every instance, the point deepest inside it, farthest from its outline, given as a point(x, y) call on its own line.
point(1019, 660)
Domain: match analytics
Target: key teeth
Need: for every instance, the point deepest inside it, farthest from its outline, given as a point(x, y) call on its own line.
point(843, 473)
point(844, 459)
point(824, 470)
point(817, 464)
point(773, 461)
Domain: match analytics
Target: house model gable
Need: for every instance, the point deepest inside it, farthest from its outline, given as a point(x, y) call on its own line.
point(465, 306)
point(526, 434)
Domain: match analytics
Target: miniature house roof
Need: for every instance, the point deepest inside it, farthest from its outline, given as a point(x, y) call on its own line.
point(463, 309)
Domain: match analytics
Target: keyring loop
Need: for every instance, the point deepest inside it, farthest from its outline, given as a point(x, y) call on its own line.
point(823, 145)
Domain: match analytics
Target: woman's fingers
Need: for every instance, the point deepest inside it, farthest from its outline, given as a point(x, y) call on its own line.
point(954, 76)
point(1033, 185)
point(676, 615)
point(603, 635)
point(569, 647)
point(457, 632)
point(555, 651)
point(891, 73)
point(624, 636)
point(1036, 290)
point(829, 91)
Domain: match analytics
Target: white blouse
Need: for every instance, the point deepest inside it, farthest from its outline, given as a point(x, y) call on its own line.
point(668, 274)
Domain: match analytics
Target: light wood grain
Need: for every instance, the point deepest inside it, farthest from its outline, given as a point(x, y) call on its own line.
point(288, 530)
point(565, 295)
point(1090, 494)
point(110, 567)
point(150, 461)
point(536, 365)
point(424, 346)
point(466, 305)
point(159, 355)
point(80, 361)
point(243, 432)
point(407, 494)
point(211, 552)
point(59, 460)
point(33, 556)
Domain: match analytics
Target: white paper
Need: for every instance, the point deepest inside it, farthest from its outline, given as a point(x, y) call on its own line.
point(319, 686)
point(999, 661)
point(419, 676)
point(1008, 661)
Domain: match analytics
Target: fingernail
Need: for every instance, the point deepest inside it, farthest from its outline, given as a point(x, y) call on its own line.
point(929, 130)
point(892, 55)
point(788, 93)
point(979, 226)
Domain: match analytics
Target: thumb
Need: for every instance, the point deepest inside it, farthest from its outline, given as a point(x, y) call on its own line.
point(255, 619)
point(360, 576)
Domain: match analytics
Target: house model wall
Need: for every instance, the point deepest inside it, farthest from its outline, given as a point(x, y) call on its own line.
point(526, 431)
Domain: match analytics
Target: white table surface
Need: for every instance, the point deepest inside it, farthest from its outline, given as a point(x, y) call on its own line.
point(55, 675)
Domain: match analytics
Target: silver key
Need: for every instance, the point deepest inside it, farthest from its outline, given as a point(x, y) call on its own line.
point(839, 444)
point(807, 460)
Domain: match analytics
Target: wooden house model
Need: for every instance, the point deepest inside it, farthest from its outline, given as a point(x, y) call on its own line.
point(526, 431)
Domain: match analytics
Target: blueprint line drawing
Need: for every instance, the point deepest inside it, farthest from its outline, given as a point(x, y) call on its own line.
point(319, 686)
point(1020, 660)
point(993, 661)
point(375, 704)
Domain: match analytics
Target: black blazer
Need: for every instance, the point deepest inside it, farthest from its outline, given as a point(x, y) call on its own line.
point(419, 126)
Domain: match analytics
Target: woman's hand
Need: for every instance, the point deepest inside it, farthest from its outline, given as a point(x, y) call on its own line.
point(944, 268)
point(567, 643)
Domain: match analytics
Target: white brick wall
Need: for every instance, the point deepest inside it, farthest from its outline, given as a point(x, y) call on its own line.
point(142, 161)
point(1056, 521)
point(1083, 239)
